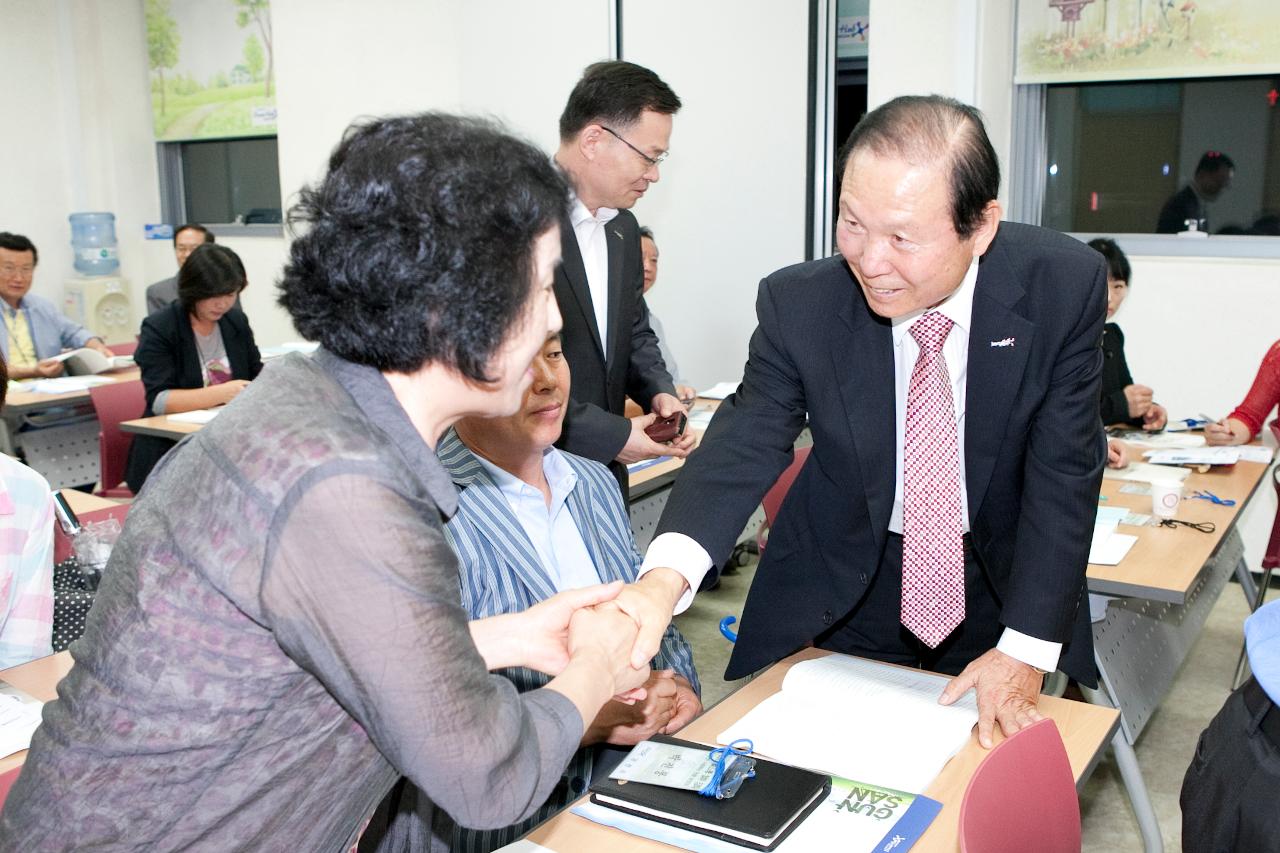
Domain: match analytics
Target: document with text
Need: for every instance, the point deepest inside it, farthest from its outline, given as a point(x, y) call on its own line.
point(861, 720)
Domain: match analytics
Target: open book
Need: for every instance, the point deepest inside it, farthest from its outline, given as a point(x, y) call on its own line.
point(861, 720)
point(85, 361)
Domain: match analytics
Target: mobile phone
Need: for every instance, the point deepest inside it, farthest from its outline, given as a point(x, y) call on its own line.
point(66, 515)
point(667, 429)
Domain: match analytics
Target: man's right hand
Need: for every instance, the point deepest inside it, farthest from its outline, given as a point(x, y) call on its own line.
point(640, 446)
point(627, 725)
point(650, 601)
point(1139, 397)
point(49, 368)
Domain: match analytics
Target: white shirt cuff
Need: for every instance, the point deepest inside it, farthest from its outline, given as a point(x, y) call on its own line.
point(682, 554)
point(1041, 654)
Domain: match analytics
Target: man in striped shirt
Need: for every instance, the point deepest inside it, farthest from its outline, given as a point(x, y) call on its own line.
point(532, 521)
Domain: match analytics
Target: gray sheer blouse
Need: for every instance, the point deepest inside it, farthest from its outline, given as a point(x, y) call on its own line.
point(276, 639)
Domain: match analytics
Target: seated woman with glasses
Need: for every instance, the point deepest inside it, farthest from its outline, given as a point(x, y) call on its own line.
point(197, 353)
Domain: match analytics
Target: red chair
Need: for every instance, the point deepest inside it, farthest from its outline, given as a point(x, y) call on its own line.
point(119, 401)
point(124, 349)
point(1022, 797)
point(773, 498)
point(6, 782)
point(1270, 560)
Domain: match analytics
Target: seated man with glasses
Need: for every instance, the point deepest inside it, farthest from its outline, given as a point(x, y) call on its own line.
point(533, 521)
point(34, 330)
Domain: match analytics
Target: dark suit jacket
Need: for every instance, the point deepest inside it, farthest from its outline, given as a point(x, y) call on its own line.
point(1034, 448)
point(168, 358)
point(1115, 378)
point(627, 363)
point(1181, 206)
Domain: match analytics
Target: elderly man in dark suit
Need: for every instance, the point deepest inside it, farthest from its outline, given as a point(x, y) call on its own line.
point(947, 364)
point(614, 131)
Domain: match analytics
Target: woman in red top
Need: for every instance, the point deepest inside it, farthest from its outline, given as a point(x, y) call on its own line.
point(1246, 421)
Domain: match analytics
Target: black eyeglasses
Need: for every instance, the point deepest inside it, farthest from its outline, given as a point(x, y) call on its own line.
point(1203, 526)
point(652, 161)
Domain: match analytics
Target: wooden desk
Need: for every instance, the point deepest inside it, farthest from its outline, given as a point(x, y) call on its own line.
point(39, 678)
point(82, 502)
point(22, 402)
point(160, 426)
point(1165, 564)
point(1086, 731)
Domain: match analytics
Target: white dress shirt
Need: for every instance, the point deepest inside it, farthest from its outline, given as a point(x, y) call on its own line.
point(593, 243)
point(551, 529)
point(686, 556)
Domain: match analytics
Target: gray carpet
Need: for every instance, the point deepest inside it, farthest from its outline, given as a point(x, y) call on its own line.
point(1164, 750)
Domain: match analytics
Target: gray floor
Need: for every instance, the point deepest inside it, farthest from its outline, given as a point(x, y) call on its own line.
point(1164, 750)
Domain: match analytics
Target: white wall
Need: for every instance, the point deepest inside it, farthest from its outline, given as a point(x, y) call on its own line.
point(730, 207)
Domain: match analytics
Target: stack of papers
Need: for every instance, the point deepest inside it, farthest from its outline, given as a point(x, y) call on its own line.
point(1195, 456)
point(65, 384)
point(19, 719)
point(1161, 440)
point(195, 416)
point(1143, 473)
point(1108, 547)
point(807, 723)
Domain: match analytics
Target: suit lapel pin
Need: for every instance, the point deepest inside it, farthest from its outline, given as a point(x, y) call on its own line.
point(617, 233)
point(1006, 342)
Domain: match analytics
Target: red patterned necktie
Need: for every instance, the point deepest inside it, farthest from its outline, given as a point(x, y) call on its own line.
point(932, 523)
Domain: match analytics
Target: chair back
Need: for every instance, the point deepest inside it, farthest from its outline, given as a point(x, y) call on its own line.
point(1022, 797)
point(119, 401)
point(7, 779)
point(772, 502)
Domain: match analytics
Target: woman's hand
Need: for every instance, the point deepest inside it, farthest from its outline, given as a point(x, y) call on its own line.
point(1230, 431)
point(1117, 453)
point(1139, 398)
point(225, 392)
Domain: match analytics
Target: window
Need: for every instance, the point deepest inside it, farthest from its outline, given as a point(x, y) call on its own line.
point(221, 181)
point(1119, 154)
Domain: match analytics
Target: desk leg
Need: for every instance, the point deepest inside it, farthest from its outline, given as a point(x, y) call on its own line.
point(1247, 586)
point(1131, 774)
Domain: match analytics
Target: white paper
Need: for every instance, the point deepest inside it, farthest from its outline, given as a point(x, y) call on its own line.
point(66, 384)
point(720, 390)
point(195, 416)
point(19, 719)
point(1255, 453)
point(286, 348)
point(860, 720)
point(1195, 456)
point(1162, 440)
point(524, 845)
point(702, 419)
point(1145, 473)
point(1111, 550)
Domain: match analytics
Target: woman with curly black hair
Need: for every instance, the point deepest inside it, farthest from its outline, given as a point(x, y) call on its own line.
point(278, 634)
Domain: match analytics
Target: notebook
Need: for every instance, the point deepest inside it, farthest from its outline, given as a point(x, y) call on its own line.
point(765, 810)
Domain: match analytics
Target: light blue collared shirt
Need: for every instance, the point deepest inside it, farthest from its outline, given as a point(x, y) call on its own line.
point(551, 528)
point(1262, 636)
point(51, 331)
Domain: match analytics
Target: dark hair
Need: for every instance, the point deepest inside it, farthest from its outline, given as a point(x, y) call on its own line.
point(1117, 264)
point(1266, 225)
point(420, 242)
point(18, 243)
point(615, 93)
point(1212, 161)
point(646, 231)
point(193, 226)
point(926, 129)
point(211, 270)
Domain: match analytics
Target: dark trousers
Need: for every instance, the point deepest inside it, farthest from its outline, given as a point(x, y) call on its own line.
point(874, 628)
point(1231, 793)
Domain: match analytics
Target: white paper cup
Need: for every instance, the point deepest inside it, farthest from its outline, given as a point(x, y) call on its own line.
point(1165, 498)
